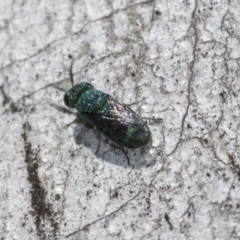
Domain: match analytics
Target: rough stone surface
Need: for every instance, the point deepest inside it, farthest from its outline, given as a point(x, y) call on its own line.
point(183, 58)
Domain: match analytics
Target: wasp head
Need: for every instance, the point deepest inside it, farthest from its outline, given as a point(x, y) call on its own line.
point(71, 96)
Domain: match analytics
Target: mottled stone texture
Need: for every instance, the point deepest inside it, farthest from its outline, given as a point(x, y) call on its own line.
point(179, 60)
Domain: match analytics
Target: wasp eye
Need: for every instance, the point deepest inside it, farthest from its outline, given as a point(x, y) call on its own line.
point(66, 100)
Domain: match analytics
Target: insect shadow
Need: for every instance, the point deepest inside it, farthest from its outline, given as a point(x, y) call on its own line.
point(116, 121)
point(107, 150)
point(104, 148)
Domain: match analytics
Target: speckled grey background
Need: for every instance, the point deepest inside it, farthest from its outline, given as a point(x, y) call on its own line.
point(183, 58)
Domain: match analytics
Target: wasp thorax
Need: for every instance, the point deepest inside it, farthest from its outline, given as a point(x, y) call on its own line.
point(71, 96)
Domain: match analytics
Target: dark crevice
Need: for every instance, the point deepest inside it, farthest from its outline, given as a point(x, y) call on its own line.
point(41, 210)
point(192, 74)
point(86, 227)
point(6, 98)
point(166, 217)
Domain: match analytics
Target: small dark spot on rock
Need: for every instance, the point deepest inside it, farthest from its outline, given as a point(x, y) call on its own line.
point(133, 74)
point(14, 108)
point(57, 197)
point(114, 194)
point(88, 192)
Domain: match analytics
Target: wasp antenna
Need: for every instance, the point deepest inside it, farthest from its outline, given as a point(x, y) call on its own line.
point(71, 72)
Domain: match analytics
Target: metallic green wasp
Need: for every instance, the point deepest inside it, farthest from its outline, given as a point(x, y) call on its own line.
point(117, 121)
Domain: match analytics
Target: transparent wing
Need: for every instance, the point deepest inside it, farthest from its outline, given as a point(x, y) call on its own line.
point(120, 123)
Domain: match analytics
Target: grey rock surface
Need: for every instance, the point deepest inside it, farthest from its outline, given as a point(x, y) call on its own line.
point(182, 58)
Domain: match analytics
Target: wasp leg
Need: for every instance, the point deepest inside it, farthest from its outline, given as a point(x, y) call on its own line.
point(135, 102)
point(124, 152)
point(74, 121)
point(154, 120)
point(62, 109)
point(99, 141)
point(71, 70)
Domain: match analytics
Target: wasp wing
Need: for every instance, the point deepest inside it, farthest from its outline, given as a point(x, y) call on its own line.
point(119, 123)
